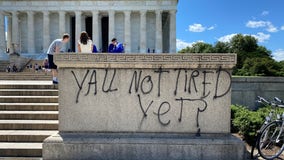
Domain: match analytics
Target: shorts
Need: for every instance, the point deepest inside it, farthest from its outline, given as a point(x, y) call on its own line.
point(50, 62)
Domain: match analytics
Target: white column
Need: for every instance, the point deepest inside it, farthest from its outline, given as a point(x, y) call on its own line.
point(62, 28)
point(173, 31)
point(111, 24)
point(31, 31)
point(2, 34)
point(143, 36)
point(9, 33)
point(78, 27)
point(15, 31)
point(159, 33)
point(46, 33)
point(95, 26)
point(127, 31)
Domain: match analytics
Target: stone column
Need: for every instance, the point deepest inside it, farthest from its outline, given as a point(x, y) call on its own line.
point(46, 33)
point(173, 31)
point(159, 33)
point(143, 36)
point(127, 31)
point(15, 30)
point(111, 24)
point(31, 31)
point(95, 33)
point(62, 28)
point(2, 34)
point(9, 33)
point(78, 27)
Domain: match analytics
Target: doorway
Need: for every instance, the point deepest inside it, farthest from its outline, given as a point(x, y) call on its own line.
point(104, 30)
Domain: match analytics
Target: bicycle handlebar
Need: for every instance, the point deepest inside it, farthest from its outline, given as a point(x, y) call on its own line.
point(263, 100)
point(278, 100)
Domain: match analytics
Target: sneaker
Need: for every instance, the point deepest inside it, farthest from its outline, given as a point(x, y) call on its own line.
point(55, 82)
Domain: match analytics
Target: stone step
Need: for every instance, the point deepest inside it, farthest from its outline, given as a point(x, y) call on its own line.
point(28, 99)
point(29, 115)
point(25, 135)
point(20, 158)
point(28, 124)
point(20, 149)
point(28, 86)
point(29, 92)
point(11, 84)
point(29, 106)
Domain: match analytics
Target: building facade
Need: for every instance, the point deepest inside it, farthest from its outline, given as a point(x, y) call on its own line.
point(142, 25)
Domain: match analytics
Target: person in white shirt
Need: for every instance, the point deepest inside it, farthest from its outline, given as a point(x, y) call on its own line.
point(85, 44)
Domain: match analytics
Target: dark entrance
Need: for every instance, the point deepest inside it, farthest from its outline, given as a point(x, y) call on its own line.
point(105, 40)
point(73, 33)
point(89, 28)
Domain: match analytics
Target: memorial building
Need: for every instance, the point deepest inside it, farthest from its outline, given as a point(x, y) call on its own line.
point(142, 25)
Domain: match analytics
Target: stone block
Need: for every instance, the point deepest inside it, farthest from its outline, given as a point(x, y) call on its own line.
point(142, 147)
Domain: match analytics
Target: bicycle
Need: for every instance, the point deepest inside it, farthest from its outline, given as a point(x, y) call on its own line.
point(268, 119)
point(270, 143)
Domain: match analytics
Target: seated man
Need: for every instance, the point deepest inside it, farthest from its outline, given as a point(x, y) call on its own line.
point(115, 47)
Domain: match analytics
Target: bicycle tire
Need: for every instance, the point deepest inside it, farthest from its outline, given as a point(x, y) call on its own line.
point(267, 145)
point(254, 155)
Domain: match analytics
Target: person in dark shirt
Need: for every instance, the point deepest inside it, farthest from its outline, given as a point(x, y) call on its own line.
point(115, 47)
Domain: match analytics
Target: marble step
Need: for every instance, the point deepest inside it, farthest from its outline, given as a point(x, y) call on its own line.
point(25, 135)
point(28, 92)
point(20, 149)
point(28, 124)
point(28, 99)
point(29, 106)
point(29, 115)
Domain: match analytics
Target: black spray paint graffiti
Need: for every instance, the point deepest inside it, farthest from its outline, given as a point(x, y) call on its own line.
point(93, 81)
point(144, 84)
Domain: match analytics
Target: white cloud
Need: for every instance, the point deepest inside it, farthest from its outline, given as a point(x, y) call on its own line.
point(182, 44)
point(282, 28)
point(196, 28)
point(278, 55)
point(265, 13)
point(262, 24)
point(261, 37)
point(226, 38)
point(256, 24)
point(211, 28)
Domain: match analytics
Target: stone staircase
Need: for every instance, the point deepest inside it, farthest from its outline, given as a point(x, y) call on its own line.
point(28, 115)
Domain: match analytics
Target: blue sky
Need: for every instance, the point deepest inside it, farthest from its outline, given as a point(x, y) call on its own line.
point(218, 20)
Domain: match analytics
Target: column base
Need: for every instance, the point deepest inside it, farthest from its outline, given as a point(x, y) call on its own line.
point(142, 146)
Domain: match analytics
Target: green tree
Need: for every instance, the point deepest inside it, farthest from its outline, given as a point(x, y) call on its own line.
point(199, 47)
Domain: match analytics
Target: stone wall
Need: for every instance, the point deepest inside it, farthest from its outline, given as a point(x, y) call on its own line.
point(246, 89)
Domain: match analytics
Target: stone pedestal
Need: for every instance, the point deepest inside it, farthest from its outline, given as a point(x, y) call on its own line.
point(133, 106)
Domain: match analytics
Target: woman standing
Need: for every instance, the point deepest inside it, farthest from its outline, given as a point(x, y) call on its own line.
point(85, 44)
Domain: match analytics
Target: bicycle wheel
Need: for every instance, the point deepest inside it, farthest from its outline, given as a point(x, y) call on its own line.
point(270, 143)
point(254, 148)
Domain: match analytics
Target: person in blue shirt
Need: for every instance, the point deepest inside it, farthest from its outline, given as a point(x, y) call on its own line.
point(115, 47)
point(95, 50)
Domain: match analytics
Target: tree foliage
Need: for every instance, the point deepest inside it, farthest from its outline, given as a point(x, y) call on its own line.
point(253, 59)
